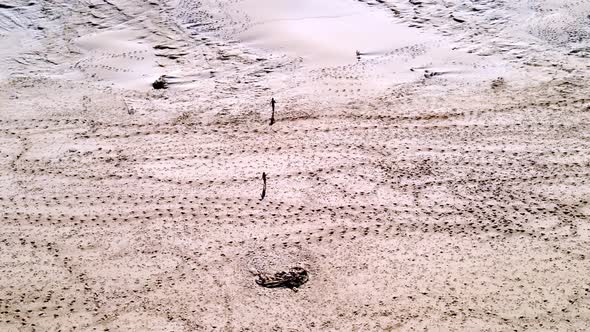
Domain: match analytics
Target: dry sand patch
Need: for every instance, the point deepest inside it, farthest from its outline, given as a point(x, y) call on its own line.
point(433, 184)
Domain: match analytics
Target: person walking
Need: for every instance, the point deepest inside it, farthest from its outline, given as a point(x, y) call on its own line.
point(263, 185)
point(272, 116)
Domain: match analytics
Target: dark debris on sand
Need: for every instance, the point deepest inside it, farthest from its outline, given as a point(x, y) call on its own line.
point(160, 83)
point(292, 279)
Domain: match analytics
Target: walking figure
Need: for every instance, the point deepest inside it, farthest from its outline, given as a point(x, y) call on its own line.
point(358, 56)
point(272, 117)
point(263, 185)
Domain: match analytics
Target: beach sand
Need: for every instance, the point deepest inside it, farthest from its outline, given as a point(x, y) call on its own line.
point(438, 180)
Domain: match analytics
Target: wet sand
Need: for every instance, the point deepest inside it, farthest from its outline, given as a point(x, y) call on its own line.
point(439, 181)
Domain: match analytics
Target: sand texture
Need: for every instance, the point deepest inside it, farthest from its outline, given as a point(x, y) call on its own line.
point(428, 168)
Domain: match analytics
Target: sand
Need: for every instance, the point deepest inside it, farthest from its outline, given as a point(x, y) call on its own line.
point(437, 181)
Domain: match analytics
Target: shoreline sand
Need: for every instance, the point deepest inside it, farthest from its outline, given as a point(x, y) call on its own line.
point(440, 182)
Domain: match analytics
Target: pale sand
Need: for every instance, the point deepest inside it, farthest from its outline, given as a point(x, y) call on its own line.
point(439, 183)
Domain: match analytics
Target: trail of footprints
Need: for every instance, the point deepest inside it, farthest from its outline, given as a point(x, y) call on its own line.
point(490, 221)
point(386, 169)
point(504, 206)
